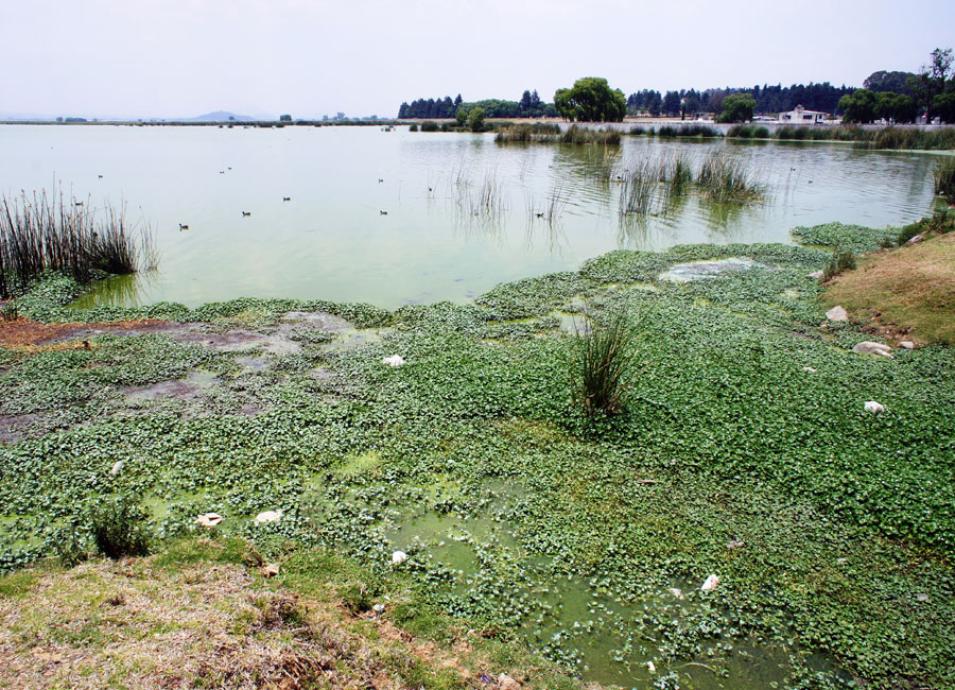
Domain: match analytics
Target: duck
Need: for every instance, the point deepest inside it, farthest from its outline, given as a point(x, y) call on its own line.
point(77, 203)
point(380, 180)
point(183, 227)
point(100, 176)
point(286, 198)
point(383, 213)
point(540, 214)
point(246, 214)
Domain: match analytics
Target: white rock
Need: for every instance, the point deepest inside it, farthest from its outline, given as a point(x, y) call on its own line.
point(268, 516)
point(651, 667)
point(734, 544)
point(837, 313)
point(915, 239)
point(117, 468)
point(398, 557)
point(710, 584)
point(809, 370)
point(907, 344)
point(208, 519)
point(676, 592)
point(505, 682)
point(378, 608)
point(394, 361)
point(816, 275)
point(867, 347)
point(874, 407)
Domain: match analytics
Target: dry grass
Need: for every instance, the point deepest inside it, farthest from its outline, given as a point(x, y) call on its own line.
point(910, 290)
point(134, 624)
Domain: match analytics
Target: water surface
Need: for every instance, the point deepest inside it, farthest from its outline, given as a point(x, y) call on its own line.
point(436, 239)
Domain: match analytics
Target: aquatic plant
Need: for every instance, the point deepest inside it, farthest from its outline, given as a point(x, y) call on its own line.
point(688, 131)
point(429, 126)
point(725, 179)
point(602, 359)
point(525, 133)
point(945, 179)
point(639, 188)
point(38, 235)
point(841, 261)
point(577, 134)
point(750, 131)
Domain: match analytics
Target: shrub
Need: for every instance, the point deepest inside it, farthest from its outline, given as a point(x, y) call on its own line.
point(429, 126)
point(840, 261)
point(413, 127)
point(118, 528)
point(602, 360)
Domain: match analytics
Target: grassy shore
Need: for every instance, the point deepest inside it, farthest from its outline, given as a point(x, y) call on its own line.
point(560, 540)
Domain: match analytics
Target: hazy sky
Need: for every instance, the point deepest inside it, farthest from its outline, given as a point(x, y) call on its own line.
point(170, 58)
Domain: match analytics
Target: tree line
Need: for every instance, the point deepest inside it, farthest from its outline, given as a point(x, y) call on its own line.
point(530, 105)
point(768, 98)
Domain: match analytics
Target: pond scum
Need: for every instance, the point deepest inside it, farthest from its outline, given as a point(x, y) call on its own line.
point(560, 548)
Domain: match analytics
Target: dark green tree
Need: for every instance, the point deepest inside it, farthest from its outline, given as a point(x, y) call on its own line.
point(671, 103)
point(858, 107)
point(943, 105)
point(591, 100)
point(737, 107)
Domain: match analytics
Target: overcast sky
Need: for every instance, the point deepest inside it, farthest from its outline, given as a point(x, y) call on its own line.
point(168, 58)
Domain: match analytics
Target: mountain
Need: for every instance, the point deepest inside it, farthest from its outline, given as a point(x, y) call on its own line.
point(221, 116)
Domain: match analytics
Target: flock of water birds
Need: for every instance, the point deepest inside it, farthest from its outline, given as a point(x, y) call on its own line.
point(246, 214)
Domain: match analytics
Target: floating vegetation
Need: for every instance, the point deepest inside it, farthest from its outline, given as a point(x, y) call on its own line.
point(38, 236)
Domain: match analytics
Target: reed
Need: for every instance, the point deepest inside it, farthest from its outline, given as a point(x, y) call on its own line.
point(726, 180)
point(38, 235)
point(528, 133)
point(945, 179)
point(639, 188)
point(607, 136)
point(688, 131)
point(602, 359)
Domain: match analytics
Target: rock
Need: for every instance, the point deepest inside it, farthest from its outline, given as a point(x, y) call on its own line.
point(117, 468)
point(398, 557)
point(651, 667)
point(809, 370)
point(378, 609)
point(816, 275)
point(394, 361)
point(735, 544)
point(922, 596)
point(907, 344)
point(676, 592)
point(711, 583)
point(208, 520)
point(867, 347)
point(915, 239)
point(874, 407)
point(505, 682)
point(269, 570)
point(268, 516)
point(837, 314)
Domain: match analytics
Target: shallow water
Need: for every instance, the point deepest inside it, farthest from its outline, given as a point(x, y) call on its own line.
point(437, 241)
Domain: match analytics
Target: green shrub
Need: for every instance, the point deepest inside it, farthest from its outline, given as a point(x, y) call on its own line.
point(413, 127)
point(118, 528)
point(840, 261)
point(429, 126)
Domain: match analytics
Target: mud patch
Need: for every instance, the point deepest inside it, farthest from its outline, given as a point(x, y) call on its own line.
point(190, 388)
point(14, 427)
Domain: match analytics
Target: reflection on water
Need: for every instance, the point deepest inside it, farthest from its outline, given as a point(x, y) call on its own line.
point(398, 217)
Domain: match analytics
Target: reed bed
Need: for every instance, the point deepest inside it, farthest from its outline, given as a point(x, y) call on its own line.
point(639, 188)
point(911, 138)
point(726, 180)
point(945, 179)
point(39, 235)
point(528, 133)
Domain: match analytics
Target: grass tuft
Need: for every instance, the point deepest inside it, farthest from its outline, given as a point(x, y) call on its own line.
point(601, 367)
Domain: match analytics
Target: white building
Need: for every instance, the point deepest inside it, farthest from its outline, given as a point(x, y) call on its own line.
point(801, 116)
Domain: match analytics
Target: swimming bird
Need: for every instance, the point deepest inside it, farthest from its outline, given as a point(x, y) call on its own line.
point(383, 213)
point(380, 180)
point(286, 198)
point(430, 190)
point(222, 172)
point(183, 227)
point(100, 176)
point(77, 203)
point(246, 214)
point(540, 214)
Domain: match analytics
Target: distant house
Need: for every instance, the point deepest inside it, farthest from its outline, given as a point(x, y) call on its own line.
point(801, 116)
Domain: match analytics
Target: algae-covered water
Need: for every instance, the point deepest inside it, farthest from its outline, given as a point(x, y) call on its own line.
point(397, 217)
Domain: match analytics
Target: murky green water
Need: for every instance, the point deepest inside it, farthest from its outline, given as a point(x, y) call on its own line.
point(437, 241)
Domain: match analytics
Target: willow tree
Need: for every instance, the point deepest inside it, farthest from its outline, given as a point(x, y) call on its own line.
point(591, 100)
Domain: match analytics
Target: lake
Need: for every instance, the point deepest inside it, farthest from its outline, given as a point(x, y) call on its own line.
point(399, 217)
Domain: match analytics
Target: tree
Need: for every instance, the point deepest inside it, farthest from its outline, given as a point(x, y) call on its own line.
point(671, 103)
point(895, 107)
point(894, 82)
point(943, 105)
point(476, 119)
point(934, 79)
point(737, 107)
point(285, 118)
point(591, 100)
point(859, 106)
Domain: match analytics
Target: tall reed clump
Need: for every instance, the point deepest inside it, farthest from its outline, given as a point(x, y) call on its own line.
point(841, 261)
point(601, 366)
point(726, 180)
point(945, 179)
point(748, 132)
point(590, 135)
point(639, 188)
point(688, 131)
point(39, 235)
point(526, 133)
